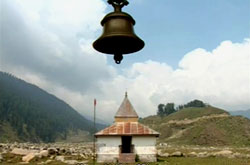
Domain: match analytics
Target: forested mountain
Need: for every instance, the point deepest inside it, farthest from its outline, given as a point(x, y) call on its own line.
point(28, 113)
point(207, 126)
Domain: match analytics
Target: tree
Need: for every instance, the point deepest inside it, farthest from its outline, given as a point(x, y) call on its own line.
point(180, 107)
point(169, 108)
point(195, 103)
point(160, 111)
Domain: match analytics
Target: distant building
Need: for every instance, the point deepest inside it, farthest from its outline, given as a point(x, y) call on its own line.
point(126, 139)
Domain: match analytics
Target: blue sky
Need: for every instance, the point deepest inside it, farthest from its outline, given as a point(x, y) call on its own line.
point(195, 49)
point(172, 28)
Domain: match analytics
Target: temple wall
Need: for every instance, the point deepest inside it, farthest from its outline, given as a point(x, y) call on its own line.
point(108, 148)
point(145, 148)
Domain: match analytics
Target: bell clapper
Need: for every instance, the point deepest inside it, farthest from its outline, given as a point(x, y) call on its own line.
point(118, 58)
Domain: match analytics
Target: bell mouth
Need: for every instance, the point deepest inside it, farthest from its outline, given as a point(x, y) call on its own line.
point(122, 43)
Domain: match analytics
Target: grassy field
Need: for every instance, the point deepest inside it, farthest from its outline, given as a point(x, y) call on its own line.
point(197, 161)
point(241, 159)
point(204, 161)
point(161, 161)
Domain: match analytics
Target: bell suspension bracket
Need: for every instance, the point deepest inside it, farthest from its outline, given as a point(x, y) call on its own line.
point(118, 4)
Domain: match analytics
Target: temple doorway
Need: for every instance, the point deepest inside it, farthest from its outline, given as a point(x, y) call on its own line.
point(126, 144)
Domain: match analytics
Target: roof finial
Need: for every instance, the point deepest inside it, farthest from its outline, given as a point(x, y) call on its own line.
point(126, 94)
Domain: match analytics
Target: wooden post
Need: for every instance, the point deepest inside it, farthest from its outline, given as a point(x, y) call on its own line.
point(94, 157)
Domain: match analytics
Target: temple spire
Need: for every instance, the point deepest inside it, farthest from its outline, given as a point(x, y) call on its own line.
point(126, 112)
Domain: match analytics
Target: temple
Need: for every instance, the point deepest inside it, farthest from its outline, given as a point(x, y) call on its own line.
point(127, 140)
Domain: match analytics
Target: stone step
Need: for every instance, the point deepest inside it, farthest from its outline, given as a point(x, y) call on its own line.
point(127, 158)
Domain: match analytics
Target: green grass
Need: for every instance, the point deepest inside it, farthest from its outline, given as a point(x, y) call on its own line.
point(11, 159)
point(222, 131)
point(186, 150)
point(204, 161)
point(194, 161)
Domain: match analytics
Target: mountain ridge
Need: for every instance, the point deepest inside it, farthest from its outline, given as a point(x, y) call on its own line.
point(28, 113)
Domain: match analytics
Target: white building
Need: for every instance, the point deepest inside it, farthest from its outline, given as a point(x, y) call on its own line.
point(126, 139)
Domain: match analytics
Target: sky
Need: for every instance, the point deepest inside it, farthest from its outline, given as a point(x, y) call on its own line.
point(193, 50)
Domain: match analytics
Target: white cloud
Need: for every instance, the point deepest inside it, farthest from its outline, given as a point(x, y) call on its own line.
point(58, 50)
point(220, 77)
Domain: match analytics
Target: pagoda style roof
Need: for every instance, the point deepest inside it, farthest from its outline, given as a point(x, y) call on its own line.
point(127, 128)
point(126, 123)
point(126, 109)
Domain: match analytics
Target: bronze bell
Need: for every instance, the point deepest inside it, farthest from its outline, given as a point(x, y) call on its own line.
point(118, 36)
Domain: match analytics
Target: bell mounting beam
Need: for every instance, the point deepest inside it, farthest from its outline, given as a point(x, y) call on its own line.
point(118, 4)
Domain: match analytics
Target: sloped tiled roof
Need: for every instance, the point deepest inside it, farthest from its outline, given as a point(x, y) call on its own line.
point(126, 109)
point(127, 128)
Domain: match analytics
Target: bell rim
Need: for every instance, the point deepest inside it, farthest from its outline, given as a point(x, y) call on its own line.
point(96, 44)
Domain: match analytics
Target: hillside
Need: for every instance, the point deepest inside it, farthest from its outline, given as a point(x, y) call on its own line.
point(28, 113)
point(201, 126)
